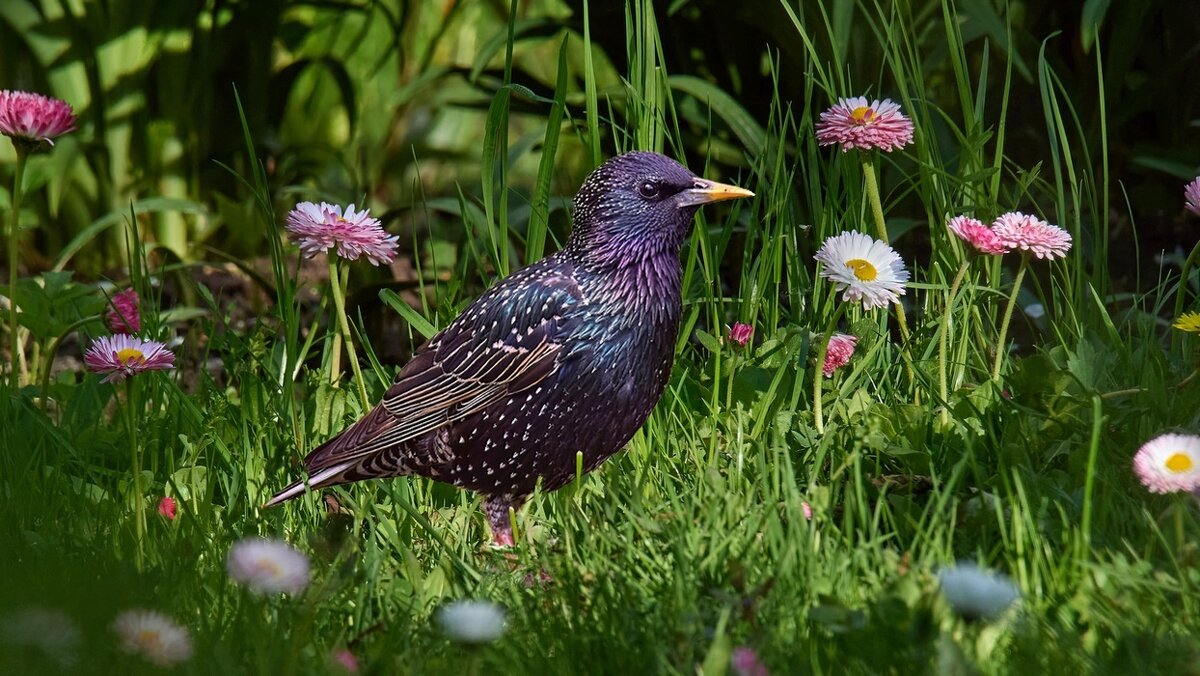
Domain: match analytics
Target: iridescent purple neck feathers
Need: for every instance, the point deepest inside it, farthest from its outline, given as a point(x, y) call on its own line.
point(632, 210)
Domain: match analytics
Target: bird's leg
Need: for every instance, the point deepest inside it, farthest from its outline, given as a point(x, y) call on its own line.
point(497, 509)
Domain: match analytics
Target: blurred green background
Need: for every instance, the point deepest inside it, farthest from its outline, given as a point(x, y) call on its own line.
point(469, 145)
point(386, 102)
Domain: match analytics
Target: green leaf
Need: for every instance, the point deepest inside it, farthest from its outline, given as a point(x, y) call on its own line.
point(535, 241)
point(394, 301)
point(183, 314)
point(190, 482)
point(492, 47)
point(51, 303)
point(709, 341)
point(1092, 17)
point(589, 88)
point(716, 661)
point(96, 227)
point(743, 125)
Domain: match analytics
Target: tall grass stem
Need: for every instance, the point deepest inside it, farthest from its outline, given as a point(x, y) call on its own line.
point(1089, 485)
point(1181, 291)
point(819, 368)
point(872, 187)
point(135, 451)
point(944, 338)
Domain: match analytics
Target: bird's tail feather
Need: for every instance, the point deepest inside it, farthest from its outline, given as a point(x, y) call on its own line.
point(328, 476)
point(328, 463)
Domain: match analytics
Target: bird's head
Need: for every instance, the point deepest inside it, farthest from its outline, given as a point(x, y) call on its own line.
point(638, 205)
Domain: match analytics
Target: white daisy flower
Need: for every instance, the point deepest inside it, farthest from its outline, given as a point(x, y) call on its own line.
point(472, 621)
point(154, 636)
point(51, 632)
point(867, 269)
point(976, 593)
point(1169, 463)
point(268, 566)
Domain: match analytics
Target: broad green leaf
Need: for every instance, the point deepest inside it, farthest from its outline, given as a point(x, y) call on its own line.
point(709, 341)
point(743, 125)
point(410, 315)
point(535, 241)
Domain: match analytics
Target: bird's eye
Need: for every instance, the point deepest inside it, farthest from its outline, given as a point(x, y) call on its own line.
point(648, 189)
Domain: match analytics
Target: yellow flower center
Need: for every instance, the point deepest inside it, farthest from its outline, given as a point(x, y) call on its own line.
point(149, 638)
point(1179, 462)
point(130, 356)
point(862, 114)
point(862, 269)
point(268, 567)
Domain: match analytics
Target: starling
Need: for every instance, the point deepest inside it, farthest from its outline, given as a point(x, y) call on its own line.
point(566, 356)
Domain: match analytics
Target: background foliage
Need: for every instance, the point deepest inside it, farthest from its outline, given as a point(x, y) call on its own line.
point(467, 126)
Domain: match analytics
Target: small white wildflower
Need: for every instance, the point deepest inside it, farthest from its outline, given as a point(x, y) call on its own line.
point(268, 566)
point(472, 621)
point(51, 632)
point(154, 636)
point(976, 593)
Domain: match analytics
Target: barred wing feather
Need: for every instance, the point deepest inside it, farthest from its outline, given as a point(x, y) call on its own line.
point(494, 350)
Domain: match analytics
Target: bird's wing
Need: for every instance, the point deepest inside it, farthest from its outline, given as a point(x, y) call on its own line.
point(507, 341)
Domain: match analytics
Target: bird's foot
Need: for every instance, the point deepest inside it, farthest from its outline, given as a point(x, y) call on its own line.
point(500, 511)
point(502, 539)
point(540, 579)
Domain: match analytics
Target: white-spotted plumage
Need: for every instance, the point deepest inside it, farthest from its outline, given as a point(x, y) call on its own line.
point(502, 398)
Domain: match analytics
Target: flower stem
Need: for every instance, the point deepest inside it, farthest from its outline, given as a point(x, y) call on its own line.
point(736, 360)
point(872, 187)
point(339, 302)
point(944, 339)
point(335, 357)
point(729, 385)
point(1001, 347)
point(14, 345)
point(819, 367)
point(139, 506)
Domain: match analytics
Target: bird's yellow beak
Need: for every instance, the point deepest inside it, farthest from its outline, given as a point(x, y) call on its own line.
point(705, 191)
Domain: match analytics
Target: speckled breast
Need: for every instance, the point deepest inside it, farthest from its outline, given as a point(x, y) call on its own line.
point(604, 391)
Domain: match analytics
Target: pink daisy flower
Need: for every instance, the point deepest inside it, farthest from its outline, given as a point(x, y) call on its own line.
point(167, 507)
point(739, 334)
point(34, 117)
point(344, 660)
point(123, 314)
point(854, 123)
point(1191, 196)
point(745, 662)
point(1016, 230)
point(1169, 463)
point(978, 235)
point(317, 228)
point(837, 355)
point(123, 355)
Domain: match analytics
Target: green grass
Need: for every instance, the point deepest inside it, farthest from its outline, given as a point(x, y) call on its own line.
point(694, 540)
